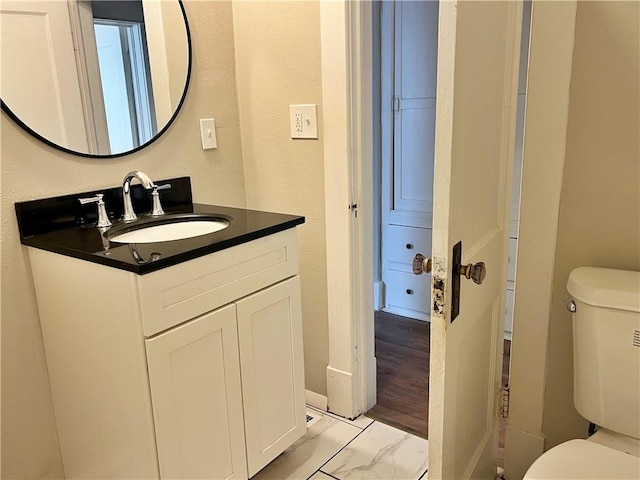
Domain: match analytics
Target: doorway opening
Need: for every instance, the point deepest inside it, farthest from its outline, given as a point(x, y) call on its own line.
point(405, 40)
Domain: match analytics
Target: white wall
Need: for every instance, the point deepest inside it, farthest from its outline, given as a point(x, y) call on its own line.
point(278, 64)
point(31, 170)
point(599, 218)
point(580, 202)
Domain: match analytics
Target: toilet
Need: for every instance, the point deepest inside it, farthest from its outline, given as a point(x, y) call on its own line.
point(606, 379)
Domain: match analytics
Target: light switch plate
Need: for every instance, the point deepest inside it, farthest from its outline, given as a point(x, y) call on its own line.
point(304, 121)
point(208, 133)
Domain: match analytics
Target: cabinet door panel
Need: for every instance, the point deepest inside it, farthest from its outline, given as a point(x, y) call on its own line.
point(197, 400)
point(271, 361)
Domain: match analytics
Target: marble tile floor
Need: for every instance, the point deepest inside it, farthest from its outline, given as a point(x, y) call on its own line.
point(362, 449)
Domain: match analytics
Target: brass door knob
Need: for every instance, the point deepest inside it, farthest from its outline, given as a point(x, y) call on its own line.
point(421, 264)
point(476, 272)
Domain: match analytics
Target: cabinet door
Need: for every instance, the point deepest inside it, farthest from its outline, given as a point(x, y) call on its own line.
point(197, 400)
point(271, 361)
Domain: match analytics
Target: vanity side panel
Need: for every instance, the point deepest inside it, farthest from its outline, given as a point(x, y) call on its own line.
point(95, 351)
point(174, 295)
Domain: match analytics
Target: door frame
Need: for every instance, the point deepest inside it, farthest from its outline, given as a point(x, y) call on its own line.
point(347, 68)
point(346, 44)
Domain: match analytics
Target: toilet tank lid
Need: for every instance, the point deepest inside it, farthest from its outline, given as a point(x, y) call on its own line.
point(606, 287)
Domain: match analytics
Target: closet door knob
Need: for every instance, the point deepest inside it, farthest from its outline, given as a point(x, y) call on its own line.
point(421, 264)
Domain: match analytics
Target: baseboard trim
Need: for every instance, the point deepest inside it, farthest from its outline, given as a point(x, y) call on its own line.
point(378, 295)
point(315, 400)
point(340, 393)
point(405, 312)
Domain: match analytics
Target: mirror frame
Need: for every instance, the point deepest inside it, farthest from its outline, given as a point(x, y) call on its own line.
point(24, 126)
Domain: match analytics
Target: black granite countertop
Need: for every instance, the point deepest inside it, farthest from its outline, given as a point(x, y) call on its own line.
point(59, 225)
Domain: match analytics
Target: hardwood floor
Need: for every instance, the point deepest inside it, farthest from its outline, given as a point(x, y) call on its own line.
point(402, 356)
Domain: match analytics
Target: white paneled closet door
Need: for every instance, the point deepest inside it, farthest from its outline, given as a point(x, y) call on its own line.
point(408, 169)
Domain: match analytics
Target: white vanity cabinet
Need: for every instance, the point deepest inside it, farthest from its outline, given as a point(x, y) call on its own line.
point(191, 371)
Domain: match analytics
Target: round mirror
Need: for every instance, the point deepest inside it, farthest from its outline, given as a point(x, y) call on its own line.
point(97, 78)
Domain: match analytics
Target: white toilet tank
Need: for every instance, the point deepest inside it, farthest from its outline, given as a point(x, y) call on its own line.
point(606, 347)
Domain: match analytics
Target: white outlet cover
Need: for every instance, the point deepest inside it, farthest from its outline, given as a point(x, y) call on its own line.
point(304, 121)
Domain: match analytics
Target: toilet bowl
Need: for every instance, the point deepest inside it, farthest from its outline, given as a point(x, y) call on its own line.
point(584, 460)
point(606, 363)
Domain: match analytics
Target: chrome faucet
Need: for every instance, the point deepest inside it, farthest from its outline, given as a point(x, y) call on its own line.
point(129, 213)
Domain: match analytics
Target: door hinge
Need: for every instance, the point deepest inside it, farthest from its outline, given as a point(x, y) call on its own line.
point(396, 104)
point(504, 402)
point(354, 208)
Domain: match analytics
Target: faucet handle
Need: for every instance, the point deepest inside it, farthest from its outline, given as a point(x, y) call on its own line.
point(157, 210)
point(103, 218)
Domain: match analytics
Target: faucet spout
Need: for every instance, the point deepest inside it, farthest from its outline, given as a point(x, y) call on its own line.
point(145, 180)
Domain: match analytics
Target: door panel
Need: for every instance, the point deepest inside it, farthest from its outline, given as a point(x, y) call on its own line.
point(416, 38)
point(194, 374)
point(413, 156)
point(475, 132)
point(43, 72)
point(271, 360)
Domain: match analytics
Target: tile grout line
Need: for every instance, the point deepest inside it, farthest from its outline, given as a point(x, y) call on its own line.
point(330, 415)
point(421, 477)
point(339, 451)
point(324, 473)
point(342, 419)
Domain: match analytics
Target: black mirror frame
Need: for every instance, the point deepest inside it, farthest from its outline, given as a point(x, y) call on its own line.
point(35, 134)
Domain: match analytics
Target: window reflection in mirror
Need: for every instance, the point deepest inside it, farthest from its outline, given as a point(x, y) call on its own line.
point(125, 76)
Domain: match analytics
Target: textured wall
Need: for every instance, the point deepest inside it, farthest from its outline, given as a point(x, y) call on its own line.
point(599, 218)
point(278, 64)
point(31, 170)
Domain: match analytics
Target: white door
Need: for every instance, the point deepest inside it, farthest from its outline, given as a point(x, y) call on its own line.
point(41, 86)
point(194, 373)
point(477, 83)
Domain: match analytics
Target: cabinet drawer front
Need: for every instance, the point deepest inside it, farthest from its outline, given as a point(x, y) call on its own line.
point(271, 361)
point(405, 291)
point(194, 376)
point(176, 294)
point(402, 243)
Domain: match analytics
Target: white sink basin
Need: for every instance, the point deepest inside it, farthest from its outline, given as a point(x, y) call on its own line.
point(170, 231)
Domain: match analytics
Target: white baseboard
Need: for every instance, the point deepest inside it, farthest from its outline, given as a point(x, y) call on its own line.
point(404, 312)
point(378, 295)
point(340, 393)
point(315, 400)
